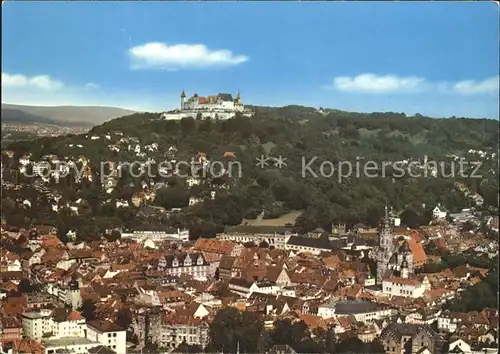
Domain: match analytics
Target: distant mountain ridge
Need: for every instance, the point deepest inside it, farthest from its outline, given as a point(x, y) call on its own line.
point(84, 116)
point(17, 116)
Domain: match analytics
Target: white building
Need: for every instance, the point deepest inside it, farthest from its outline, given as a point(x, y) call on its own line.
point(439, 212)
point(77, 345)
point(25, 160)
point(459, 346)
point(41, 168)
point(35, 324)
point(193, 264)
point(73, 296)
point(313, 244)
point(363, 311)
point(191, 181)
point(327, 310)
point(221, 106)
point(53, 324)
point(277, 240)
point(10, 265)
point(194, 200)
point(405, 287)
point(158, 236)
point(246, 288)
point(108, 334)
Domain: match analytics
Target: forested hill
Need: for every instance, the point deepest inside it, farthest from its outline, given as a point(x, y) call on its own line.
point(301, 134)
point(297, 129)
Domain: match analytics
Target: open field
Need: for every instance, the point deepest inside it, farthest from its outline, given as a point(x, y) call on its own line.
point(281, 221)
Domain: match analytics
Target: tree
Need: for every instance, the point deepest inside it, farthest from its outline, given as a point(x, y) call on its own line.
point(263, 244)
point(433, 267)
point(293, 334)
point(152, 348)
point(188, 349)
point(412, 217)
point(355, 345)
point(203, 229)
point(124, 318)
point(292, 131)
point(231, 329)
point(113, 236)
point(175, 197)
point(25, 286)
point(480, 295)
point(88, 310)
point(188, 126)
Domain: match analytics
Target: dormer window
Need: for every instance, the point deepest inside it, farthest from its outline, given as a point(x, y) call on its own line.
point(200, 260)
point(175, 263)
point(187, 261)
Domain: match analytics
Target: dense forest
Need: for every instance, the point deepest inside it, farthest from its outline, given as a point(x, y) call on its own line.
point(299, 134)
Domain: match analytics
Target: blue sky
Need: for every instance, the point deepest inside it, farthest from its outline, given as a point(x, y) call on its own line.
point(434, 58)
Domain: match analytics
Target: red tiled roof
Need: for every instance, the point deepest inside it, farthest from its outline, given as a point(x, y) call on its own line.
point(418, 252)
point(75, 316)
point(405, 281)
point(214, 246)
point(28, 346)
point(229, 154)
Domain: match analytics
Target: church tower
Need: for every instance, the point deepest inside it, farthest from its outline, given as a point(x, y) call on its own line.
point(385, 247)
point(405, 271)
point(73, 296)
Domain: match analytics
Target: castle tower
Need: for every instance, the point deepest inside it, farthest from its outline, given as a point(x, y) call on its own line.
point(183, 99)
point(73, 296)
point(238, 98)
point(385, 247)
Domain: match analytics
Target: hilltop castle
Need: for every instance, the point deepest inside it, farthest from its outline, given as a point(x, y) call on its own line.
point(220, 106)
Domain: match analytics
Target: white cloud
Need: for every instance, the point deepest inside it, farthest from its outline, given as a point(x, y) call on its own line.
point(44, 90)
point(44, 82)
point(92, 86)
point(372, 83)
point(171, 57)
point(472, 87)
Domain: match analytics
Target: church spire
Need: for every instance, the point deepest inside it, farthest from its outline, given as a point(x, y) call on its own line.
point(387, 220)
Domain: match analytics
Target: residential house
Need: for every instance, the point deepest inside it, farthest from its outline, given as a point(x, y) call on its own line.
point(439, 212)
point(108, 334)
point(187, 324)
point(399, 338)
point(179, 263)
point(10, 330)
